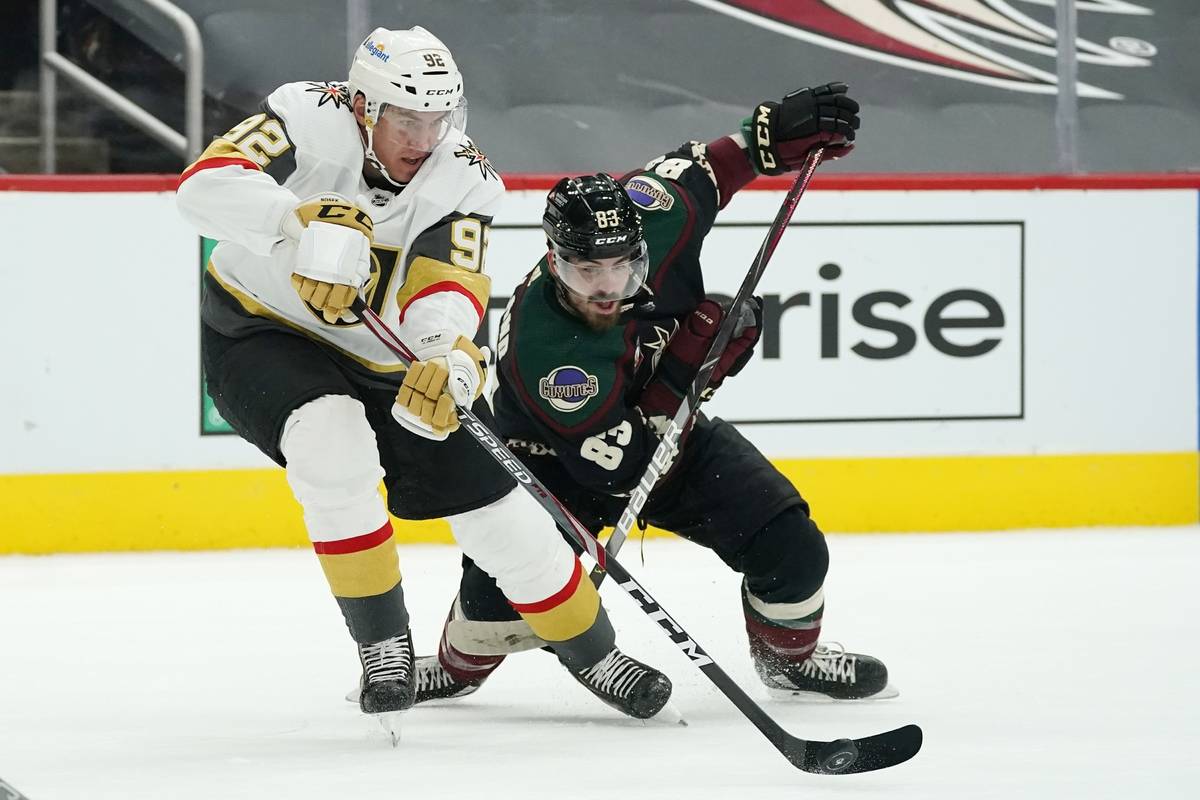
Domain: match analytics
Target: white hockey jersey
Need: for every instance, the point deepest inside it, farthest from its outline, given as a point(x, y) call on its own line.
point(427, 278)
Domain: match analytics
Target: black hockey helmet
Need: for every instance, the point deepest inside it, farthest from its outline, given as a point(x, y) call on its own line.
point(594, 234)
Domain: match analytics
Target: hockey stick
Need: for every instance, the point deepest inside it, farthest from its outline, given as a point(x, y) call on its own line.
point(842, 756)
point(668, 446)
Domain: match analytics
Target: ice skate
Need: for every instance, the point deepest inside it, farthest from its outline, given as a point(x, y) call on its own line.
point(629, 686)
point(435, 683)
point(829, 673)
point(387, 687)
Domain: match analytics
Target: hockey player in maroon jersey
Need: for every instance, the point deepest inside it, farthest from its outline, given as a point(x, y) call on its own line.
point(373, 187)
point(596, 351)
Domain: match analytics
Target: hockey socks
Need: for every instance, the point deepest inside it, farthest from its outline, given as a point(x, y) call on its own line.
point(790, 661)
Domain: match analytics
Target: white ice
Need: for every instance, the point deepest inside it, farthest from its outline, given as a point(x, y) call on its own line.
point(1051, 664)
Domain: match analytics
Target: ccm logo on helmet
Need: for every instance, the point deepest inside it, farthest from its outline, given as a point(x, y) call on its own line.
point(440, 91)
point(610, 239)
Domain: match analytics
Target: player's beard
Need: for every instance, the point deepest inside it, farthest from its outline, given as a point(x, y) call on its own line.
point(596, 319)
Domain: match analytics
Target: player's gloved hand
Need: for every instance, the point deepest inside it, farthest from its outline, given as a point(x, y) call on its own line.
point(740, 348)
point(780, 135)
point(426, 403)
point(333, 260)
point(685, 353)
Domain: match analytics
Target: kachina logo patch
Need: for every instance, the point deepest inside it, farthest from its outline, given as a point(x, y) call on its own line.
point(649, 194)
point(992, 42)
point(568, 388)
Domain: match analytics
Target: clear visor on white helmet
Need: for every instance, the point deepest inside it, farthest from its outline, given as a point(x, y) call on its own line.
point(407, 128)
point(602, 279)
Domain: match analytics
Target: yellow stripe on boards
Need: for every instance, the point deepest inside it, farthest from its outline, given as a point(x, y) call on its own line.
point(998, 492)
point(216, 509)
point(203, 510)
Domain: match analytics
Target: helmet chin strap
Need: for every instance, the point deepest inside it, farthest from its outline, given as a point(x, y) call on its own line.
point(373, 160)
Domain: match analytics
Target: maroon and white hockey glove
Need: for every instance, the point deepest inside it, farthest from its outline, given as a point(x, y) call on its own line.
point(780, 135)
point(685, 353)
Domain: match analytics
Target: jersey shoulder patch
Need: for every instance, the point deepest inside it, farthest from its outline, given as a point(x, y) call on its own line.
point(650, 194)
point(334, 93)
point(319, 120)
point(469, 152)
point(668, 214)
point(457, 177)
point(302, 99)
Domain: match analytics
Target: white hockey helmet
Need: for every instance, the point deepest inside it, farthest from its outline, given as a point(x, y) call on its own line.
point(410, 70)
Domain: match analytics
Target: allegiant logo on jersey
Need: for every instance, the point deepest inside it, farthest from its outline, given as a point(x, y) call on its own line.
point(568, 388)
point(649, 194)
point(376, 50)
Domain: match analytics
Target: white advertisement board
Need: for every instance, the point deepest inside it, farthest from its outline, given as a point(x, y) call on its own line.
point(928, 316)
point(897, 323)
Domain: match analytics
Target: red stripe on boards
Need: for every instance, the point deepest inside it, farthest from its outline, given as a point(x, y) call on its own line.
point(828, 181)
point(556, 599)
point(355, 544)
point(934, 181)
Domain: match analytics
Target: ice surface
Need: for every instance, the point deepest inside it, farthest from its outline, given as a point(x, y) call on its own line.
point(1040, 664)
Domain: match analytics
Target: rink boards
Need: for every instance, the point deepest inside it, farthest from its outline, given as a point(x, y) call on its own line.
point(933, 358)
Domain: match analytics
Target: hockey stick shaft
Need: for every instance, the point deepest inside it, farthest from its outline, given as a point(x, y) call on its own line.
point(486, 439)
point(841, 756)
point(668, 447)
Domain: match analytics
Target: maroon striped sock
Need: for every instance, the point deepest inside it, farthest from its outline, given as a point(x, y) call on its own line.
point(463, 667)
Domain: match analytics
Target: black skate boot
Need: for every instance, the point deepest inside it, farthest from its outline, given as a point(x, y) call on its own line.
point(452, 673)
point(791, 662)
point(387, 681)
point(626, 684)
point(434, 682)
point(830, 671)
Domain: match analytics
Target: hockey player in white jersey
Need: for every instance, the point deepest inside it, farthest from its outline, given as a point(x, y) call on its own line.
point(372, 188)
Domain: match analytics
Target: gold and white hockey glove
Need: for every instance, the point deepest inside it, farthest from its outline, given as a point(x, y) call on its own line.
point(333, 260)
point(426, 403)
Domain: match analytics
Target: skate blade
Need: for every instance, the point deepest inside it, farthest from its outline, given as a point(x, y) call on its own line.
point(390, 722)
point(353, 695)
point(669, 715)
point(796, 695)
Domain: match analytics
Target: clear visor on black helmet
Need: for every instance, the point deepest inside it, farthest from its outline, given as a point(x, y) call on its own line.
point(418, 130)
point(602, 279)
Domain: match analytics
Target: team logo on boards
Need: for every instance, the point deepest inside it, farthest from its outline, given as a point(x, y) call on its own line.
point(476, 158)
point(983, 41)
point(568, 388)
point(649, 194)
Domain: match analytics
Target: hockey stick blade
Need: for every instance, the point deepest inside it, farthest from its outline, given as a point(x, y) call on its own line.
point(839, 757)
point(668, 446)
point(847, 756)
point(827, 758)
